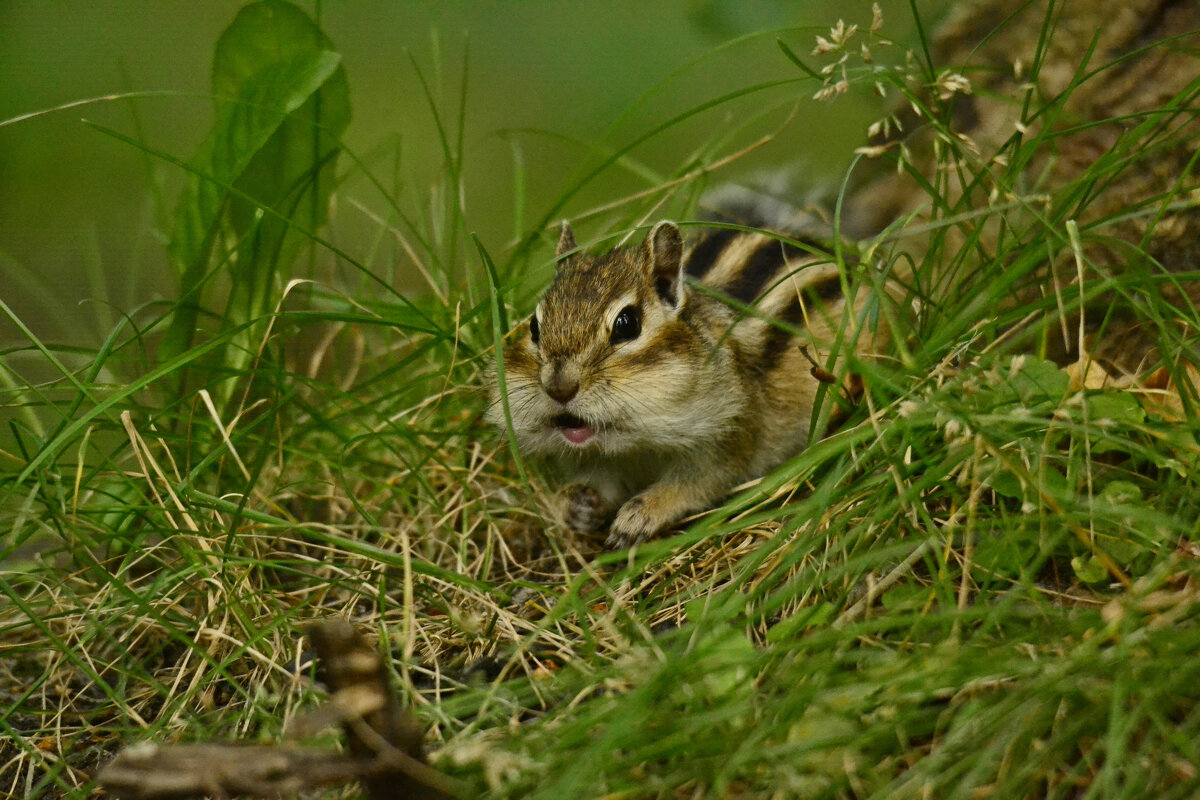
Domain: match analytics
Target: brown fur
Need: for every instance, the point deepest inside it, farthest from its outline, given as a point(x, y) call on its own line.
point(703, 398)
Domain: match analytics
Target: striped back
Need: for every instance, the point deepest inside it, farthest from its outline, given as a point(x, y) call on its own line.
point(781, 280)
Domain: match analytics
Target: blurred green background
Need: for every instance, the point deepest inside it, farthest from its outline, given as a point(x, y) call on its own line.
point(84, 216)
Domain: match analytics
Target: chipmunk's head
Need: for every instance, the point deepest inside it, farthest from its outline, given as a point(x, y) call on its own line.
point(603, 362)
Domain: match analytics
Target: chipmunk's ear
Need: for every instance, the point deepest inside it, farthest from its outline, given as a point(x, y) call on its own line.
point(566, 241)
point(662, 255)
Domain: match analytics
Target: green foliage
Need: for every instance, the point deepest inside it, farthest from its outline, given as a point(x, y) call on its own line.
point(261, 184)
point(982, 584)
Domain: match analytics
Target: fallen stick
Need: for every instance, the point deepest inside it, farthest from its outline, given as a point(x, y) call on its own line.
point(384, 744)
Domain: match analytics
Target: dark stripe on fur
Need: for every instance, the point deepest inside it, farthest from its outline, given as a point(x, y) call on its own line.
point(761, 267)
point(823, 292)
point(777, 340)
point(706, 252)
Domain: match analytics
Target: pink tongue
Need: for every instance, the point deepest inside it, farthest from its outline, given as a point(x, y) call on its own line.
point(577, 435)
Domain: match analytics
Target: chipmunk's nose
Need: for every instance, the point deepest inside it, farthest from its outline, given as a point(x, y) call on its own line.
point(560, 381)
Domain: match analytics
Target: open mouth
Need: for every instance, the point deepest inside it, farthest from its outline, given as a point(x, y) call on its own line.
point(574, 430)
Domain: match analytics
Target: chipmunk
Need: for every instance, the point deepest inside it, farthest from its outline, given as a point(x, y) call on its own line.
point(652, 396)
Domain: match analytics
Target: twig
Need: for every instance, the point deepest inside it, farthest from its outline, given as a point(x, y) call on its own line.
point(384, 743)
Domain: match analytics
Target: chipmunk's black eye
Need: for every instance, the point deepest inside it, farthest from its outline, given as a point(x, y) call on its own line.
point(533, 329)
point(627, 325)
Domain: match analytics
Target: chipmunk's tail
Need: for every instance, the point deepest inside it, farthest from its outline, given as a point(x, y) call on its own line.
point(772, 208)
point(778, 207)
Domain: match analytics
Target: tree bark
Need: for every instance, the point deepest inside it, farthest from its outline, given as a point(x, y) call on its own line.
point(1090, 81)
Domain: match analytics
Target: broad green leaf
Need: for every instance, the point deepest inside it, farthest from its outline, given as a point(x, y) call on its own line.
point(1004, 483)
point(1121, 408)
point(1090, 569)
point(262, 35)
point(1112, 411)
point(1121, 492)
point(243, 128)
point(1035, 379)
point(725, 664)
point(1009, 484)
point(282, 102)
point(299, 156)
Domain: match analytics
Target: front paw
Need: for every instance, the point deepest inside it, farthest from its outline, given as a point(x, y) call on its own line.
point(585, 510)
point(635, 523)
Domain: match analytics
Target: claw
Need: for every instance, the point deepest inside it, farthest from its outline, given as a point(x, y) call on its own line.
point(621, 540)
point(632, 525)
